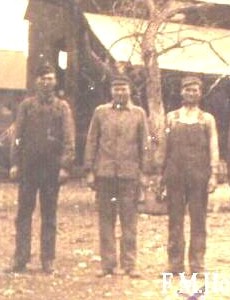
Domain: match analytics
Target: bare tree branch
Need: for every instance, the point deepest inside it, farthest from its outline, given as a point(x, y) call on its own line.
point(133, 35)
point(150, 5)
point(215, 84)
point(96, 6)
point(179, 45)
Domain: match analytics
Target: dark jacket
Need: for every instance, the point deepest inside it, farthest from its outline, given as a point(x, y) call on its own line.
point(43, 131)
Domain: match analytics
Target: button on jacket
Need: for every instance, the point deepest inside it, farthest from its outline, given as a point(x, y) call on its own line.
point(117, 142)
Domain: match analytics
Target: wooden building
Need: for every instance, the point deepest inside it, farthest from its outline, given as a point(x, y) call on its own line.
point(58, 26)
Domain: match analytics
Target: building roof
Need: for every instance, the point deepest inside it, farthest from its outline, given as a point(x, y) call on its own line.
point(13, 70)
point(13, 44)
point(225, 2)
point(199, 49)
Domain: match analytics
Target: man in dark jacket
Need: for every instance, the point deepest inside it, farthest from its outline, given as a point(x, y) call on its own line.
point(116, 154)
point(42, 152)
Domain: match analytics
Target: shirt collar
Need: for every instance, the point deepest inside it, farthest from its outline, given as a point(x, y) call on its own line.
point(128, 106)
point(185, 109)
point(44, 99)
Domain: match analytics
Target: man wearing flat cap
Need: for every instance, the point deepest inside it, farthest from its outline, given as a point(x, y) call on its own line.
point(190, 171)
point(42, 152)
point(115, 159)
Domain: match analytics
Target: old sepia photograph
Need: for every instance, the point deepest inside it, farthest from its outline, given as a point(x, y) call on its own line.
point(114, 149)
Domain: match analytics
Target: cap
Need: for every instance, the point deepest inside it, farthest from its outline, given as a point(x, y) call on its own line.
point(120, 80)
point(189, 80)
point(45, 68)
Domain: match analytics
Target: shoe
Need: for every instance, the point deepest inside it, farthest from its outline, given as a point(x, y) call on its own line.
point(199, 274)
point(104, 273)
point(175, 270)
point(197, 269)
point(133, 273)
point(176, 273)
point(47, 266)
point(17, 268)
point(119, 272)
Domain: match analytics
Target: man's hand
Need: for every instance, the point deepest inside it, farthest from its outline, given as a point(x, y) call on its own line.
point(63, 176)
point(14, 173)
point(162, 190)
point(90, 180)
point(144, 180)
point(212, 184)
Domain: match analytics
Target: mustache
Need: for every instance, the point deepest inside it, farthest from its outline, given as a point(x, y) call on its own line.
point(120, 98)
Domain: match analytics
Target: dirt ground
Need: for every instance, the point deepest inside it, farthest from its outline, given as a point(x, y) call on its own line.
point(78, 258)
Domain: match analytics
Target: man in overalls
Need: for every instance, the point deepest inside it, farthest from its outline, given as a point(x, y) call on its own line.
point(190, 170)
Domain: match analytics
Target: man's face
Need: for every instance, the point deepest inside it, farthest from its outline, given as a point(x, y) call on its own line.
point(46, 83)
point(120, 93)
point(191, 94)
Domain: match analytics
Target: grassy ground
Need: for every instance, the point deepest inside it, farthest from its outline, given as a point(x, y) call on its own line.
point(78, 257)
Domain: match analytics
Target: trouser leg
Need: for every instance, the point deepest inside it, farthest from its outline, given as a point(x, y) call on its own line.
point(26, 205)
point(198, 210)
point(106, 192)
point(176, 242)
point(128, 191)
point(48, 203)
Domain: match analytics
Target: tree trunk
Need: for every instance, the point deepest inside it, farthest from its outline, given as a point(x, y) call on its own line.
point(154, 95)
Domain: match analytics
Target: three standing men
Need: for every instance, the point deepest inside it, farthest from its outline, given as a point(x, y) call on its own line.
point(42, 152)
point(116, 158)
point(191, 163)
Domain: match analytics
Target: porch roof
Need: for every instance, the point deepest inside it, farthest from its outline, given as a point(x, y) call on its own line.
point(180, 47)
